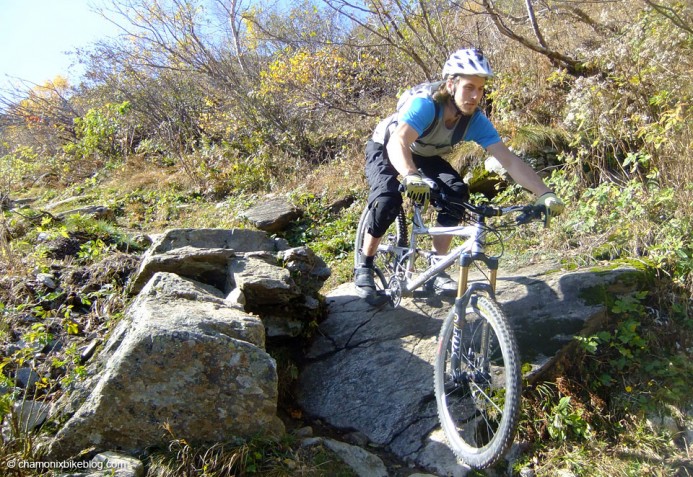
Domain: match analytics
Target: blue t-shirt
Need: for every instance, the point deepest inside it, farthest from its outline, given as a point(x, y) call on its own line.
point(420, 111)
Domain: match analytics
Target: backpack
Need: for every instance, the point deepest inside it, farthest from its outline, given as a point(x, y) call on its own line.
point(422, 90)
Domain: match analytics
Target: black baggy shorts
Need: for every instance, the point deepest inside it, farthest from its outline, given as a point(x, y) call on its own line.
point(384, 197)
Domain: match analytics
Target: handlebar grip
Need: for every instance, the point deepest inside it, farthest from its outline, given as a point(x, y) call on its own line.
point(531, 212)
point(491, 211)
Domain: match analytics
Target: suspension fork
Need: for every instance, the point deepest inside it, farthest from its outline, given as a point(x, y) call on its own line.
point(466, 260)
point(465, 294)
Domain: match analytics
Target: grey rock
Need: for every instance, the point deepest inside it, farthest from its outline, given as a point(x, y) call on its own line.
point(272, 215)
point(239, 240)
point(262, 282)
point(236, 298)
point(362, 462)
point(69, 200)
point(47, 280)
point(201, 254)
point(88, 351)
point(203, 265)
point(26, 378)
point(97, 212)
point(372, 370)
point(119, 465)
point(30, 414)
point(306, 267)
point(180, 358)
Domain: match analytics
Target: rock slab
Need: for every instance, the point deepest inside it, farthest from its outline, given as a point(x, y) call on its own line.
point(372, 370)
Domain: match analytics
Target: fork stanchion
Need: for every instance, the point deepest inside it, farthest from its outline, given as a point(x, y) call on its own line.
point(465, 262)
point(492, 279)
point(462, 280)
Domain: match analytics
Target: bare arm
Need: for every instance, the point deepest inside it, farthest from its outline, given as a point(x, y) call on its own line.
point(398, 149)
point(519, 170)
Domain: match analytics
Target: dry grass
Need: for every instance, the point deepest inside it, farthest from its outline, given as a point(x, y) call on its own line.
point(141, 172)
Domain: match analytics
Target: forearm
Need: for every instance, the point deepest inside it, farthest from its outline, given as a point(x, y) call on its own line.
point(524, 175)
point(519, 170)
point(400, 157)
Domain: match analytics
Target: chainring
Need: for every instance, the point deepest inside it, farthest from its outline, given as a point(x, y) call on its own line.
point(394, 288)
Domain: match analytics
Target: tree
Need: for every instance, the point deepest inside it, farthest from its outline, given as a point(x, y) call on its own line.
point(42, 117)
point(512, 26)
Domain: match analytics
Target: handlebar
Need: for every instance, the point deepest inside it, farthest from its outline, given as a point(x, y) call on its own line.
point(527, 213)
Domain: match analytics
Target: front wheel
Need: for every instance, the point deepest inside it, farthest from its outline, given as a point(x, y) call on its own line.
point(477, 382)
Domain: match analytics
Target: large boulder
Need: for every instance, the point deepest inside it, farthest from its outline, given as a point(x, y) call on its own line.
point(181, 360)
point(272, 215)
point(258, 274)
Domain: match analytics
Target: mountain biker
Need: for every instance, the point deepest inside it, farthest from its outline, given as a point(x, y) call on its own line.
point(435, 117)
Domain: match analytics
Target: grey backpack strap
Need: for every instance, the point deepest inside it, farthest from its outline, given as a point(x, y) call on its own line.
point(428, 89)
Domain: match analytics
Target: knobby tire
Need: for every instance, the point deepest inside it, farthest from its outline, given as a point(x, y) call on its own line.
point(479, 400)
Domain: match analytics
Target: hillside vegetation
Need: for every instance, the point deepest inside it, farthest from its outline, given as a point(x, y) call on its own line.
point(201, 107)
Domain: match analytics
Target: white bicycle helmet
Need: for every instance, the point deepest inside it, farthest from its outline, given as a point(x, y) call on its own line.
point(467, 62)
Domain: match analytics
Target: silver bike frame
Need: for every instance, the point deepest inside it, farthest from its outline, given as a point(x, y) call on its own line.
point(474, 245)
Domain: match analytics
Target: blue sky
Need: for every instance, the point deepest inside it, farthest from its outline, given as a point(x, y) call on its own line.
point(36, 34)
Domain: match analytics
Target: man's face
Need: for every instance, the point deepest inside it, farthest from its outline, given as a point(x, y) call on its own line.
point(468, 91)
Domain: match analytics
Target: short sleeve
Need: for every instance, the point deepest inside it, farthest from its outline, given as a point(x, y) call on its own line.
point(419, 113)
point(482, 131)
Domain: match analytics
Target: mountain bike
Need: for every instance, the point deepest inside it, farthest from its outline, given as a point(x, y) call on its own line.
point(477, 376)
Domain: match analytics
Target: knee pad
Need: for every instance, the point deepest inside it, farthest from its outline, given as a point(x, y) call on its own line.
point(384, 211)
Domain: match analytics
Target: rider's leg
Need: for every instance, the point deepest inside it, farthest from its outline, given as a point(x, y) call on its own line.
point(441, 243)
point(384, 201)
point(450, 183)
point(364, 274)
point(370, 245)
point(384, 210)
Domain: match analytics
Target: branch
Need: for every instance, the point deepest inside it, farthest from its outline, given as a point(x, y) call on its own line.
point(387, 22)
point(535, 25)
point(672, 15)
point(573, 66)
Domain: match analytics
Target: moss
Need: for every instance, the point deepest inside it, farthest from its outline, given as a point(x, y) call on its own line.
point(627, 281)
point(482, 181)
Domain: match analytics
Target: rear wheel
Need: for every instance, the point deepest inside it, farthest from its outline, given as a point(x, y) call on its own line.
point(477, 383)
point(385, 260)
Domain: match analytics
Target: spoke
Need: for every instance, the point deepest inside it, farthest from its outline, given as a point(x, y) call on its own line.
point(488, 398)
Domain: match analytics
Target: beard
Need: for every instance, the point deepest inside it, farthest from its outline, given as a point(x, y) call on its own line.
point(467, 109)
